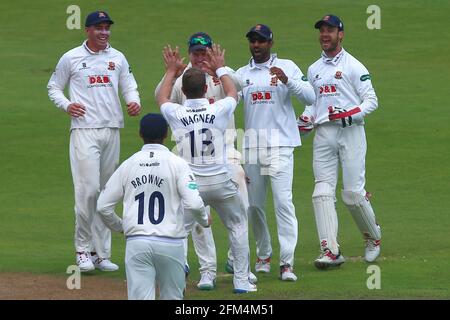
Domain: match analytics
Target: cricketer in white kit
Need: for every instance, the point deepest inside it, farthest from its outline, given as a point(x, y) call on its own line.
point(94, 72)
point(203, 238)
point(269, 144)
point(157, 188)
point(345, 96)
point(199, 131)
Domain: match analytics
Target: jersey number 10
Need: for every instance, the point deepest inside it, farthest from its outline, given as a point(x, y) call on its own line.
point(151, 207)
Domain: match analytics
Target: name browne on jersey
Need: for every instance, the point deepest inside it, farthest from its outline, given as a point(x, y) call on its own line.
point(144, 179)
point(205, 118)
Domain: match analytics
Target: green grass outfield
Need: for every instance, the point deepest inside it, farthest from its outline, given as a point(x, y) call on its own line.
point(408, 136)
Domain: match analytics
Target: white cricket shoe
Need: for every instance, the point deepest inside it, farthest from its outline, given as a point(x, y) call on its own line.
point(187, 270)
point(230, 269)
point(84, 261)
point(250, 288)
point(262, 265)
point(104, 264)
point(373, 248)
point(207, 281)
point(252, 278)
point(328, 259)
point(287, 273)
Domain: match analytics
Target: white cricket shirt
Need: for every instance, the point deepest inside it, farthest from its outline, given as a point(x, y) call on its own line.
point(198, 128)
point(94, 79)
point(156, 186)
point(341, 81)
point(214, 93)
point(268, 108)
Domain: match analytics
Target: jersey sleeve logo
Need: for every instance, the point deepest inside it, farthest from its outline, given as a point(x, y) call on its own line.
point(192, 185)
point(365, 77)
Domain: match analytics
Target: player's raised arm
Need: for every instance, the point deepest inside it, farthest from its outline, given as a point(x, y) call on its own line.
point(173, 63)
point(216, 64)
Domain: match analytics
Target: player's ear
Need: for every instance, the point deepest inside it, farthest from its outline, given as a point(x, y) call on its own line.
point(206, 88)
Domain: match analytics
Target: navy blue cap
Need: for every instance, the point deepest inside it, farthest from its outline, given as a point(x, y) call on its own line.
point(330, 20)
point(97, 17)
point(262, 30)
point(199, 40)
point(153, 126)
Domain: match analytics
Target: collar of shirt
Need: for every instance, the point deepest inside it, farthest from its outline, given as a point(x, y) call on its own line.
point(333, 60)
point(189, 66)
point(269, 63)
point(193, 103)
point(154, 146)
point(93, 52)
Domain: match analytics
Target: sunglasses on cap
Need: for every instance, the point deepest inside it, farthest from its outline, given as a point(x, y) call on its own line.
point(200, 40)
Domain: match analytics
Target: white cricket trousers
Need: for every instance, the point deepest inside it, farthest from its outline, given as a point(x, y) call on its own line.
point(347, 146)
point(221, 193)
point(94, 156)
point(332, 144)
point(152, 261)
point(202, 238)
point(276, 165)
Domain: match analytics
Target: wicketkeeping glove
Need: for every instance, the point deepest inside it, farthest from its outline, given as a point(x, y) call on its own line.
point(305, 125)
point(347, 118)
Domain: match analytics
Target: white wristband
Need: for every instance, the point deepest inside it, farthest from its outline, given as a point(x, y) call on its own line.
point(221, 72)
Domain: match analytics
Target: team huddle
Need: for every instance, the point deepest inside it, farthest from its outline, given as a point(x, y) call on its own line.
point(167, 196)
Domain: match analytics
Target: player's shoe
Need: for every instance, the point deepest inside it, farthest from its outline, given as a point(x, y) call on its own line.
point(287, 273)
point(250, 288)
point(84, 262)
point(104, 264)
point(230, 269)
point(252, 278)
point(207, 281)
point(262, 265)
point(187, 270)
point(373, 248)
point(328, 259)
